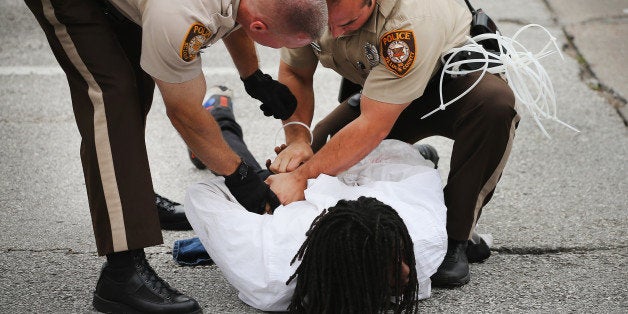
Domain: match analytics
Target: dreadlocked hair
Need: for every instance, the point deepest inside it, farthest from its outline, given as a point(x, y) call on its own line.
point(351, 262)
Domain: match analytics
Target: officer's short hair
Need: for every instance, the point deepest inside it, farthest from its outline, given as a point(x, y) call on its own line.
point(364, 2)
point(301, 16)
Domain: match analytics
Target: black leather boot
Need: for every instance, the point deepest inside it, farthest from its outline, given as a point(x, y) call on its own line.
point(478, 250)
point(136, 288)
point(171, 214)
point(454, 270)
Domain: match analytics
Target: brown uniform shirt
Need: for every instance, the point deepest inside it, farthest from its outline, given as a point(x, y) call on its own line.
point(173, 33)
point(396, 52)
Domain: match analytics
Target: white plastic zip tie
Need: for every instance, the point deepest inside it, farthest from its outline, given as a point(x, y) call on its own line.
point(525, 75)
point(291, 123)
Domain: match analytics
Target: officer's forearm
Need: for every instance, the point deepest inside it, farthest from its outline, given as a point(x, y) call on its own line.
point(353, 142)
point(196, 126)
point(202, 135)
point(300, 83)
point(242, 51)
point(343, 150)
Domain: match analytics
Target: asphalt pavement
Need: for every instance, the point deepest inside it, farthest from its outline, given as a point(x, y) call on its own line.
point(558, 217)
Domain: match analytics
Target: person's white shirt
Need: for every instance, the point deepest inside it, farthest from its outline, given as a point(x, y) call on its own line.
point(254, 251)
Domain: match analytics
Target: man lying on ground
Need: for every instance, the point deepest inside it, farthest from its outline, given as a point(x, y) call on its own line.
point(376, 232)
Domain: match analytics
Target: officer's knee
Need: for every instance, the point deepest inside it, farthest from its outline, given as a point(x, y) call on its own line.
point(498, 103)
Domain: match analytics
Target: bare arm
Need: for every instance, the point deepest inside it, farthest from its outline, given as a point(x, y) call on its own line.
point(298, 150)
point(300, 81)
point(242, 51)
point(346, 148)
point(354, 141)
point(196, 126)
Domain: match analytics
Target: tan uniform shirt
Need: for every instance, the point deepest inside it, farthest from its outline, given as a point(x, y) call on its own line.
point(173, 33)
point(396, 52)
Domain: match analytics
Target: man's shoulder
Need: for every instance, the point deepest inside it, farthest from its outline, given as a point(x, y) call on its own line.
point(403, 10)
point(415, 13)
point(175, 32)
point(178, 16)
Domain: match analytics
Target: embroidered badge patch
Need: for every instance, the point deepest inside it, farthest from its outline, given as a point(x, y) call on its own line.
point(398, 51)
point(196, 38)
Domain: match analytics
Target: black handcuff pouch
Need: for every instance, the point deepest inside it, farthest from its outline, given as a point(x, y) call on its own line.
point(481, 24)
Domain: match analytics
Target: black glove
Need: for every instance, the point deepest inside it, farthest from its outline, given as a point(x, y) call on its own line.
point(250, 191)
point(276, 98)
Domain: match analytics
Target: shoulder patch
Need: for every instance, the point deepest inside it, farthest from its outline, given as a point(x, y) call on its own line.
point(398, 51)
point(196, 38)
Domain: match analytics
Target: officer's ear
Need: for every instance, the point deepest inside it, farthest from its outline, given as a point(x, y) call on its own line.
point(258, 26)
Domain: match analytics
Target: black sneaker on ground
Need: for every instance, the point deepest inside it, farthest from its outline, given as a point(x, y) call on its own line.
point(477, 249)
point(136, 288)
point(428, 152)
point(454, 270)
point(171, 214)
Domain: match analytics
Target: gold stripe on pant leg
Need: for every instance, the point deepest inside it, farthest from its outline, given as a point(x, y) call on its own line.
point(492, 181)
point(101, 133)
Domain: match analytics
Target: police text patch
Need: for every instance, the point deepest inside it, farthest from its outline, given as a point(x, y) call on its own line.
point(196, 38)
point(398, 51)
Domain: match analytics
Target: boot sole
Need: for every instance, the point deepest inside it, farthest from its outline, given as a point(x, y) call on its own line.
point(178, 226)
point(453, 283)
point(479, 260)
point(106, 306)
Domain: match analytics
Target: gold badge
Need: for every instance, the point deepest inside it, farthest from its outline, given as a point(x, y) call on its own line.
point(372, 55)
point(398, 51)
point(197, 37)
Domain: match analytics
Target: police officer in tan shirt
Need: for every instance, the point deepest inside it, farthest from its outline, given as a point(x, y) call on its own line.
point(113, 53)
point(392, 49)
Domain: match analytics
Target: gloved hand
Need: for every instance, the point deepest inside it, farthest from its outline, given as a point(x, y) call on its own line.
point(250, 191)
point(276, 98)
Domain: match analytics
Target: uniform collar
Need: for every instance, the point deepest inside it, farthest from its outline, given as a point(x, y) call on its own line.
point(383, 7)
point(386, 6)
point(236, 6)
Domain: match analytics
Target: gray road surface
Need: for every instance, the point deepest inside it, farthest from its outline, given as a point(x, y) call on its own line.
point(558, 217)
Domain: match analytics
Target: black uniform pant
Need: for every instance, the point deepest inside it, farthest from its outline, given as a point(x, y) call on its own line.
point(111, 97)
point(482, 125)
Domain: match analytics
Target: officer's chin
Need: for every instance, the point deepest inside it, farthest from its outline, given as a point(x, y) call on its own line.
point(271, 44)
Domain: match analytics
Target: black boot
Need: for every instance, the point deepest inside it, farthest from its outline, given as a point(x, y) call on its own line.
point(454, 270)
point(132, 286)
point(477, 249)
point(171, 214)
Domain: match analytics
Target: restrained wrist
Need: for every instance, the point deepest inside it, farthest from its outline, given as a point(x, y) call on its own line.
point(297, 131)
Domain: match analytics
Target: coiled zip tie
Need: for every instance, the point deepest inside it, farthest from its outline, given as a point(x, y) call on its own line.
point(525, 75)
